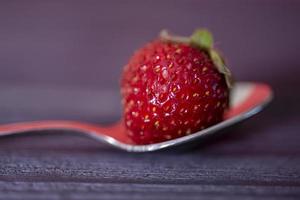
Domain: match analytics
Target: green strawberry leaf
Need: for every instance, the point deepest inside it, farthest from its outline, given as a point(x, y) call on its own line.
point(220, 64)
point(202, 38)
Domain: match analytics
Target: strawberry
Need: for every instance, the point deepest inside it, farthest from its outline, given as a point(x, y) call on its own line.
point(174, 86)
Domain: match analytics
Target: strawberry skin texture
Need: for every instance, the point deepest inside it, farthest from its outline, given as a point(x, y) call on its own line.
point(171, 90)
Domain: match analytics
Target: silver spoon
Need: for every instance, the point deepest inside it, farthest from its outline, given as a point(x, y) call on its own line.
point(246, 99)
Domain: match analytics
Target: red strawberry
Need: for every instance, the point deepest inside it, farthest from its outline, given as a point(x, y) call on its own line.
point(172, 87)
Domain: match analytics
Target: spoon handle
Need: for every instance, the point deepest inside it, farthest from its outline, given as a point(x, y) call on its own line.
point(24, 127)
point(115, 131)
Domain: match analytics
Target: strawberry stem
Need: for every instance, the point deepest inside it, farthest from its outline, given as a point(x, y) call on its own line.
point(166, 36)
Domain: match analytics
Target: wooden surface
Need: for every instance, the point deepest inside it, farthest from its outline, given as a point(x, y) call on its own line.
point(62, 60)
point(259, 159)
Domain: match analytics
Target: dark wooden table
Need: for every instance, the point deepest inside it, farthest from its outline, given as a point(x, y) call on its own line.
point(62, 60)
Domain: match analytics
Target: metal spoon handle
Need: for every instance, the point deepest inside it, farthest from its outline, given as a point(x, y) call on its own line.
point(25, 127)
point(115, 131)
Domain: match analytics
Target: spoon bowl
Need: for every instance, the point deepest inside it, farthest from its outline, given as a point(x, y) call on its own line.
point(246, 100)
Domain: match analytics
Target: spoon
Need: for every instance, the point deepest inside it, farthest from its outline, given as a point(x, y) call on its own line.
point(246, 100)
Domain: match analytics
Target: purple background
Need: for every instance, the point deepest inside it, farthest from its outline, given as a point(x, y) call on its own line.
point(86, 43)
point(83, 45)
point(63, 59)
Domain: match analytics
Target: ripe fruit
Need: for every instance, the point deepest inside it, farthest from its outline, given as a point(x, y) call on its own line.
point(174, 86)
